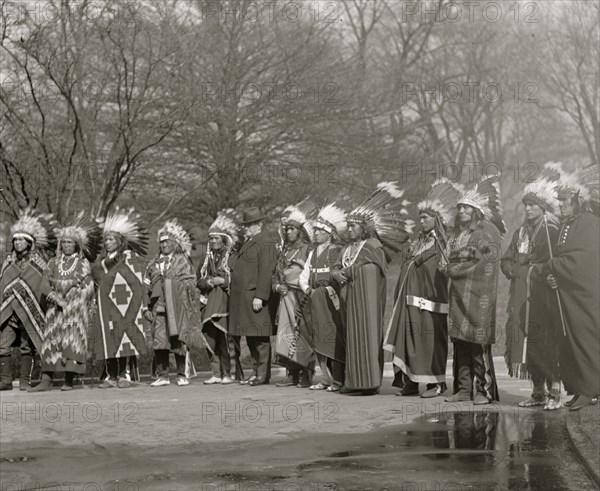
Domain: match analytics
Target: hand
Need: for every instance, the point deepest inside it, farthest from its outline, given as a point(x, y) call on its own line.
point(217, 281)
point(551, 279)
point(308, 291)
point(339, 276)
point(257, 304)
point(62, 304)
point(281, 289)
point(148, 315)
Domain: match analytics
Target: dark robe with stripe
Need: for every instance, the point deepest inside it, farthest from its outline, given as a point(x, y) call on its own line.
point(576, 267)
point(24, 290)
point(532, 307)
point(364, 296)
point(417, 334)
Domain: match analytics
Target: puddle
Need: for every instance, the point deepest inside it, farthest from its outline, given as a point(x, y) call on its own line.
point(449, 451)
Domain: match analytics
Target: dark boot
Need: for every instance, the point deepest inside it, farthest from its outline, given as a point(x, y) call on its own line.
point(305, 378)
point(44, 385)
point(25, 373)
point(68, 385)
point(5, 373)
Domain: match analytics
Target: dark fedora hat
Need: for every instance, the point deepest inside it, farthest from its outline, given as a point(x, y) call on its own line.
point(252, 215)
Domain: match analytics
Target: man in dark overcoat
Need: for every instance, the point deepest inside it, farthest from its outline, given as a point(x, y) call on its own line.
point(252, 303)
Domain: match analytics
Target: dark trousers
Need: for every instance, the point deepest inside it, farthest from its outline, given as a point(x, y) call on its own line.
point(13, 333)
point(260, 351)
point(162, 363)
point(235, 351)
point(218, 351)
point(468, 365)
point(116, 367)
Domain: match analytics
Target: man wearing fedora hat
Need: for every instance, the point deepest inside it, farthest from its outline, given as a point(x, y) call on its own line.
point(251, 312)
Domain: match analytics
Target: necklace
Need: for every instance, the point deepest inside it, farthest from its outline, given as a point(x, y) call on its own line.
point(351, 253)
point(69, 270)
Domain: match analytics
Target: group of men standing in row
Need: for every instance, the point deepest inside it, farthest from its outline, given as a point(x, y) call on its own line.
point(320, 289)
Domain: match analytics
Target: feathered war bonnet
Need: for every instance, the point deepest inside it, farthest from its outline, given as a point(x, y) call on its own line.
point(332, 219)
point(37, 229)
point(126, 226)
point(582, 184)
point(173, 230)
point(227, 226)
point(542, 191)
point(300, 216)
point(383, 213)
point(440, 201)
point(85, 232)
point(485, 197)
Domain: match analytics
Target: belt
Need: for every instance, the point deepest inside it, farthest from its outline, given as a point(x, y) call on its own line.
point(424, 304)
point(320, 270)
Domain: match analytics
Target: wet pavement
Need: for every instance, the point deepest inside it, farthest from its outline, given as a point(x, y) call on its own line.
point(268, 438)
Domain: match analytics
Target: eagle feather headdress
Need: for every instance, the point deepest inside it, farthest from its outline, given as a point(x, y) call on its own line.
point(227, 225)
point(441, 200)
point(584, 183)
point(37, 228)
point(384, 212)
point(127, 225)
point(300, 215)
point(87, 234)
point(484, 196)
point(172, 229)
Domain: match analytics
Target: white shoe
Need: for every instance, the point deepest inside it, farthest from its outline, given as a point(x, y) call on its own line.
point(182, 381)
point(160, 381)
point(212, 380)
point(227, 380)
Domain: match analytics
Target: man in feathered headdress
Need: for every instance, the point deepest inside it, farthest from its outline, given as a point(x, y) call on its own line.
point(24, 290)
point(251, 303)
point(323, 312)
point(575, 272)
point(214, 280)
point(533, 323)
point(120, 298)
point(65, 344)
point(380, 221)
point(473, 259)
point(293, 350)
point(172, 302)
point(417, 334)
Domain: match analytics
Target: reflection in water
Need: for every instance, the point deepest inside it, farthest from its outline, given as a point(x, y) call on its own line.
point(471, 450)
